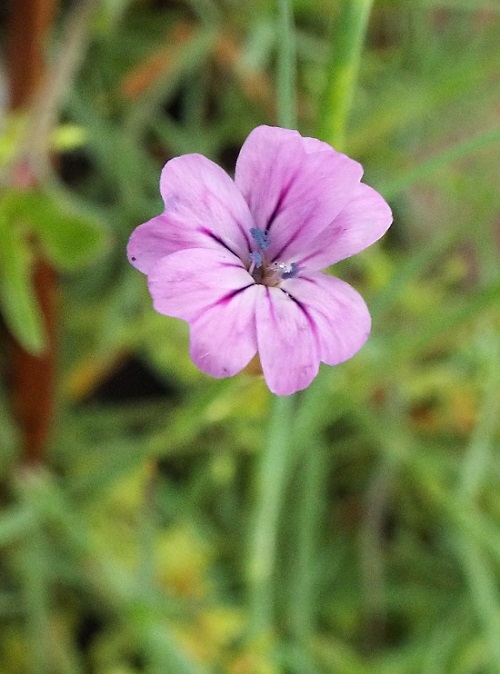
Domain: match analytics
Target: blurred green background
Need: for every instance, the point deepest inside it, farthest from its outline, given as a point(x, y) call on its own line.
point(134, 490)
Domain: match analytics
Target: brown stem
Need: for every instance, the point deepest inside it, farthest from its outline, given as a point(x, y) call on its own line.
point(30, 21)
point(33, 377)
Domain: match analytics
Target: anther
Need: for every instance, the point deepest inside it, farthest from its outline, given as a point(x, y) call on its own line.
point(261, 238)
point(286, 271)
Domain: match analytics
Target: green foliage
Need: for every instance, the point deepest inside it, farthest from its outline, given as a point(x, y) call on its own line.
point(17, 295)
point(159, 536)
point(68, 239)
point(32, 220)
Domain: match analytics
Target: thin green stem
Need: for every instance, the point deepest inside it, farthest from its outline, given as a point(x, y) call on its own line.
point(35, 582)
point(271, 481)
point(272, 469)
point(34, 567)
point(483, 595)
point(343, 69)
point(371, 551)
point(339, 92)
point(338, 95)
point(308, 519)
point(287, 115)
point(479, 455)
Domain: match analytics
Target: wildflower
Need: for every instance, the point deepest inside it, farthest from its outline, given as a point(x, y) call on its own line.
point(241, 260)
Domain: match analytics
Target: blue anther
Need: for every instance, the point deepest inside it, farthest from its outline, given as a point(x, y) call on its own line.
point(261, 238)
point(292, 271)
point(256, 259)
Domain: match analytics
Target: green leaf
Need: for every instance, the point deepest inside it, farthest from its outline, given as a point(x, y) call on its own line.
point(425, 170)
point(15, 523)
point(17, 295)
point(69, 239)
point(483, 594)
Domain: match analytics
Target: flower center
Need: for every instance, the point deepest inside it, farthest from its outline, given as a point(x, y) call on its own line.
point(263, 270)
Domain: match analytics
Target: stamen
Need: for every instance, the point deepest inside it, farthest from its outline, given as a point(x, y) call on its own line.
point(261, 269)
point(286, 271)
point(261, 238)
point(256, 262)
point(256, 259)
point(292, 271)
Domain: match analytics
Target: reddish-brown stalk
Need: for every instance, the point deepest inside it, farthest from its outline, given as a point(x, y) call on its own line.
point(32, 377)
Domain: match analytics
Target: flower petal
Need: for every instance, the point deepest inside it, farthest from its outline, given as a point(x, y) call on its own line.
point(223, 338)
point(294, 187)
point(338, 314)
point(363, 221)
point(288, 348)
point(216, 295)
point(186, 283)
point(148, 243)
point(203, 209)
point(315, 145)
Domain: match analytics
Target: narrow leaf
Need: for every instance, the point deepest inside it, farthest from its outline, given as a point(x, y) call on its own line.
point(17, 296)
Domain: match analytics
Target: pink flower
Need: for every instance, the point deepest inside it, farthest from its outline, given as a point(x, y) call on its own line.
point(241, 260)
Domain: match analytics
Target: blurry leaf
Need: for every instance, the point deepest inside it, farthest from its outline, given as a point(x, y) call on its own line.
point(405, 102)
point(193, 48)
point(14, 524)
point(69, 239)
point(480, 452)
point(452, 318)
point(462, 5)
point(426, 169)
point(9, 436)
point(17, 295)
point(68, 137)
point(110, 14)
point(338, 657)
point(12, 128)
point(483, 593)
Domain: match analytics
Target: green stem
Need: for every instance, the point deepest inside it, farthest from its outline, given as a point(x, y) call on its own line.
point(34, 575)
point(287, 115)
point(342, 78)
point(272, 471)
point(343, 68)
point(481, 449)
point(308, 511)
point(271, 480)
point(34, 567)
point(484, 595)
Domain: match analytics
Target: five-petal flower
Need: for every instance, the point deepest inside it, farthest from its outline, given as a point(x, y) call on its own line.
point(241, 260)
